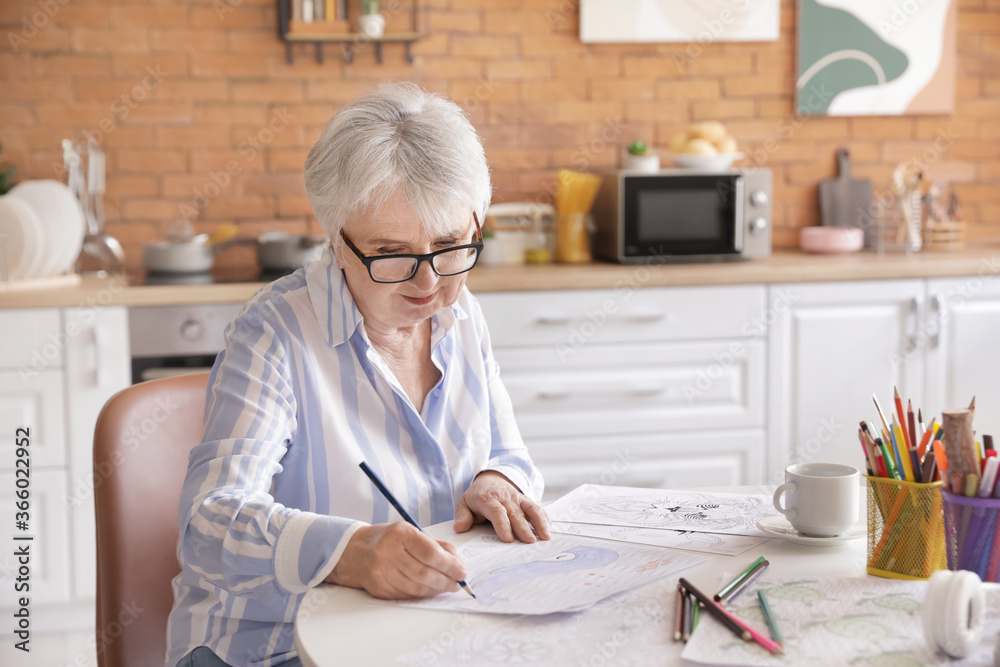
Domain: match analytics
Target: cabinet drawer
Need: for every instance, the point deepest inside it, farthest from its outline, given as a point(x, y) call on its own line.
point(50, 553)
point(574, 319)
point(667, 461)
point(35, 401)
point(30, 339)
point(640, 388)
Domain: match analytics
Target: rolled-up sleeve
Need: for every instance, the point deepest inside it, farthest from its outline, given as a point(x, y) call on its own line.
point(508, 453)
point(233, 533)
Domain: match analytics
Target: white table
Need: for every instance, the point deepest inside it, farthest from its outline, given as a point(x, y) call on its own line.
point(338, 626)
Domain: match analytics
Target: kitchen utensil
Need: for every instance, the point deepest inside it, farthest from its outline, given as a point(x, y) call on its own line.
point(22, 236)
point(716, 162)
point(831, 240)
point(105, 249)
point(280, 251)
point(194, 256)
point(846, 201)
point(62, 223)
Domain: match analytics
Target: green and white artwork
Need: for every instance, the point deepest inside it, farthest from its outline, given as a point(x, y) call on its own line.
point(876, 57)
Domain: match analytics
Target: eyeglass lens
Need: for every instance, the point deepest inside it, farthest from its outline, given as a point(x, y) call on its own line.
point(448, 263)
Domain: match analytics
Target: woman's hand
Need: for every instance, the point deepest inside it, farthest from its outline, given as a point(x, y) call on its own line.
point(492, 497)
point(395, 561)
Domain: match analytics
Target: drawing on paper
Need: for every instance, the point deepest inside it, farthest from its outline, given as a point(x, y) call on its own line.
point(577, 558)
point(731, 513)
point(689, 540)
point(566, 573)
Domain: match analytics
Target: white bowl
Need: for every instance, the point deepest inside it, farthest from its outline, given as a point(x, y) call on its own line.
point(831, 240)
point(705, 162)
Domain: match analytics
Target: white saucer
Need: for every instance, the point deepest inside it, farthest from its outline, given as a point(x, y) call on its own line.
point(778, 526)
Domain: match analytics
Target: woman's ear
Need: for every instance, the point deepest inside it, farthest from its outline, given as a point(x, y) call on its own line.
point(338, 248)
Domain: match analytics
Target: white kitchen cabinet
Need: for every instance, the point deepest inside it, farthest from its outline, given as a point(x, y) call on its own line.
point(830, 347)
point(675, 460)
point(57, 369)
point(959, 339)
point(671, 378)
point(49, 555)
point(97, 365)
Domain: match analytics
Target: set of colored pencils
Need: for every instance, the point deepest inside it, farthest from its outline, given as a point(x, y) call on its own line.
point(902, 448)
point(690, 600)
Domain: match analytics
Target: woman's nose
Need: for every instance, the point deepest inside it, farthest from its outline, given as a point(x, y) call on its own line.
point(425, 279)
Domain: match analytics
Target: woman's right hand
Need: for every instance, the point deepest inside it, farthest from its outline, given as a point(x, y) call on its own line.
point(395, 561)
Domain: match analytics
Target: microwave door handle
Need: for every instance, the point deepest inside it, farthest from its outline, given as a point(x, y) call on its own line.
point(738, 222)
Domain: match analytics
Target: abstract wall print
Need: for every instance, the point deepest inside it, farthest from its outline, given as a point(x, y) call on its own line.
point(701, 21)
point(876, 57)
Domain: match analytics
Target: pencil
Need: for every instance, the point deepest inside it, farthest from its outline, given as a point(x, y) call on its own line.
point(679, 613)
point(736, 625)
point(402, 512)
point(912, 425)
point(902, 419)
point(747, 580)
point(772, 623)
point(728, 588)
point(688, 617)
point(880, 413)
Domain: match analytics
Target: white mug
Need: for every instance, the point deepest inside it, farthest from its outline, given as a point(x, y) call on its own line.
point(821, 499)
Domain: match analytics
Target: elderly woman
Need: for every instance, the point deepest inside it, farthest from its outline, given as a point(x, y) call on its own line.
point(375, 353)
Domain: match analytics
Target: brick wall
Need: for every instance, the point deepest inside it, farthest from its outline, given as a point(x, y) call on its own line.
point(199, 112)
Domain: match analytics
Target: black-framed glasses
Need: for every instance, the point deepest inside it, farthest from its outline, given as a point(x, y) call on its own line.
point(400, 268)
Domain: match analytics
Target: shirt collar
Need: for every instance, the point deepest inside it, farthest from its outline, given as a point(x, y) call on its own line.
point(337, 313)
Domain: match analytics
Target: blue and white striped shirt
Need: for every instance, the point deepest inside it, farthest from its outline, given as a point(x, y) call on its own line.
point(273, 494)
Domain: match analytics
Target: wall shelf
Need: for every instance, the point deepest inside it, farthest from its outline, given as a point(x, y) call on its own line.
point(315, 34)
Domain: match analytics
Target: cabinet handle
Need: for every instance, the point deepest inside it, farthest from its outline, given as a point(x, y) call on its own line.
point(552, 319)
point(650, 316)
point(938, 302)
point(915, 304)
point(98, 344)
point(648, 390)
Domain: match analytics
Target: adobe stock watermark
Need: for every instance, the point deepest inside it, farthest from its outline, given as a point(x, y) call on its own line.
point(598, 317)
point(50, 351)
point(220, 179)
point(121, 108)
point(33, 23)
point(755, 328)
point(710, 32)
point(928, 331)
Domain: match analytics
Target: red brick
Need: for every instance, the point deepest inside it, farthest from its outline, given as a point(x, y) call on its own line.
point(146, 160)
point(294, 204)
point(144, 17)
point(191, 137)
point(240, 161)
point(87, 40)
point(603, 89)
point(54, 65)
point(183, 39)
point(278, 92)
point(241, 17)
point(455, 21)
point(520, 69)
point(722, 109)
point(284, 159)
point(557, 90)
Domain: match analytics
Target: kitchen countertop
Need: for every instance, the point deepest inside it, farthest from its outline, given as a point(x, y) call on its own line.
point(784, 266)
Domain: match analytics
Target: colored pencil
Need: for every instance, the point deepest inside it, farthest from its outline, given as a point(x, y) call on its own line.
point(679, 613)
point(902, 418)
point(402, 512)
point(912, 426)
point(736, 625)
point(925, 440)
point(881, 414)
point(920, 422)
point(738, 578)
point(772, 623)
point(743, 585)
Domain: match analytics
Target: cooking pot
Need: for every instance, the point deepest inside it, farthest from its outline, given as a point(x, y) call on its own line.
point(277, 252)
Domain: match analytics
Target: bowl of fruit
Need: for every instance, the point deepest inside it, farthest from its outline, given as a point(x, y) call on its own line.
point(705, 146)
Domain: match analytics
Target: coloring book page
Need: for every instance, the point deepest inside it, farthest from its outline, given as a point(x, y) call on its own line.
point(629, 630)
point(566, 573)
point(713, 543)
point(833, 621)
point(729, 513)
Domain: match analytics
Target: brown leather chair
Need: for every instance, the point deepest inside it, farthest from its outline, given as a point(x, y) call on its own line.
point(141, 445)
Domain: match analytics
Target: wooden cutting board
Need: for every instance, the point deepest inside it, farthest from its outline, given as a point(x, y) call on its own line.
point(847, 202)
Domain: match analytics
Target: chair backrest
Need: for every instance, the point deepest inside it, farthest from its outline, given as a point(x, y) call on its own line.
point(141, 445)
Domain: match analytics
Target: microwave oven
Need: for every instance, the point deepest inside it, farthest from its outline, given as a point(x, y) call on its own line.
point(677, 215)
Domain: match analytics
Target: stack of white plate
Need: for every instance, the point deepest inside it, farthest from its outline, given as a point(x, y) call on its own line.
point(41, 230)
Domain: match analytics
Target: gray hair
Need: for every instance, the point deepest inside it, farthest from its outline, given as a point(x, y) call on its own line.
point(398, 137)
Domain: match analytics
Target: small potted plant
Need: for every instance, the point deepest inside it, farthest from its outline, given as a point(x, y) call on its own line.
point(7, 172)
point(639, 157)
point(371, 24)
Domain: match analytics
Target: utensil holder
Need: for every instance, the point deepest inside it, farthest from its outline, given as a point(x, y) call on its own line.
point(905, 529)
point(972, 534)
